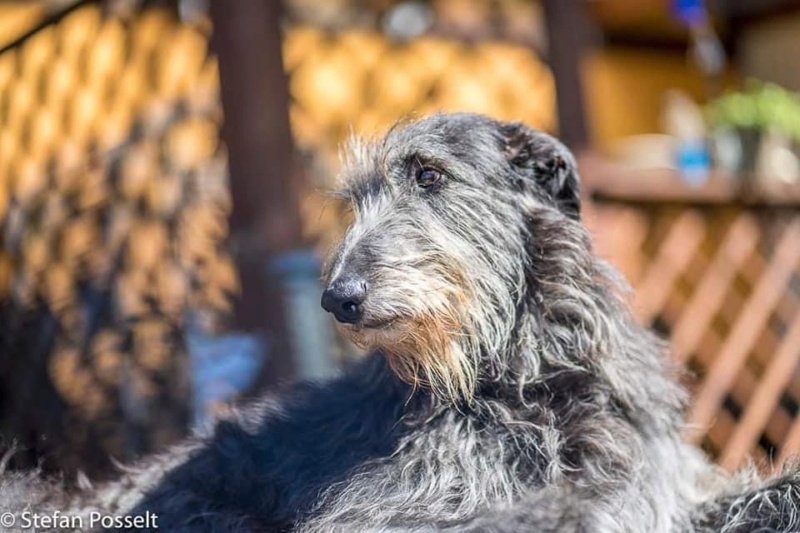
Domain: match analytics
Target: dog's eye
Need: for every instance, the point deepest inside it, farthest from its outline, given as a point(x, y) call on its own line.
point(427, 176)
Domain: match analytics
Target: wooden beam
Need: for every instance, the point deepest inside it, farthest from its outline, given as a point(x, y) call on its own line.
point(265, 178)
point(755, 9)
point(568, 26)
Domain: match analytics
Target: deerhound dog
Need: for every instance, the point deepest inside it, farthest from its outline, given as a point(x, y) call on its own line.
point(508, 388)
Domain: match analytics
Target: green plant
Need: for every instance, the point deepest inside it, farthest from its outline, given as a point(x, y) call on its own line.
point(760, 105)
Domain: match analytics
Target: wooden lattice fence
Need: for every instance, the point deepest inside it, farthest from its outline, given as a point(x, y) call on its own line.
point(113, 217)
point(716, 270)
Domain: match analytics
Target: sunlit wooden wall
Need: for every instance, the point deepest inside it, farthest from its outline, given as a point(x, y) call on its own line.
point(113, 213)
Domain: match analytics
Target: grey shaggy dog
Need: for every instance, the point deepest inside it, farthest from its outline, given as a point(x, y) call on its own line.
point(508, 390)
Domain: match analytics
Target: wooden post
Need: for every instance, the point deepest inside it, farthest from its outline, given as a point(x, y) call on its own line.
point(567, 29)
point(265, 177)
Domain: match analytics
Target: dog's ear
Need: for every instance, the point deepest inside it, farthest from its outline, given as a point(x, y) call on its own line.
point(549, 164)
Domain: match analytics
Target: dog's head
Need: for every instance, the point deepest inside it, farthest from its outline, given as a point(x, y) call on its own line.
point(436, 264)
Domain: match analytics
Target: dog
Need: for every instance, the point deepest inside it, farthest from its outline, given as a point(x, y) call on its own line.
point(507, 386)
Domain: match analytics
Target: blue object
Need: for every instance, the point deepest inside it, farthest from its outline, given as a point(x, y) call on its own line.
point(693, 162)
point(309, 327)
point(690, 12)
point(223, 367)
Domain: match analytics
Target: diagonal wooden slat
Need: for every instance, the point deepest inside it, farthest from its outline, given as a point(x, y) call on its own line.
point(746, 330)
point(738, 244)
point(753, 267)
point(764, 399)
point(622, 232)
point(675, 253)
point(722, 429)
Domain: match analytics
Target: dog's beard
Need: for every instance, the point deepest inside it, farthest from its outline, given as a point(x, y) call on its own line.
point(432, 346)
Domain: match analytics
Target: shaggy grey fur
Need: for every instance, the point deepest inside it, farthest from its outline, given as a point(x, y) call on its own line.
point(509, 389)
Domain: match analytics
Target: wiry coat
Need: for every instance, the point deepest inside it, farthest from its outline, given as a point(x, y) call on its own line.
point(508, 390)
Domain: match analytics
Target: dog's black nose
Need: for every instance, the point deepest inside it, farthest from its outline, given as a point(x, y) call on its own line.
point(344, 298)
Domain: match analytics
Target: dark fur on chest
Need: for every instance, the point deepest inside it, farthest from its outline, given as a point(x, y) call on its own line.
point(271, 466)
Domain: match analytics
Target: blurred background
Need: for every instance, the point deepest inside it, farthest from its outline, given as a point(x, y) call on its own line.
point(163, 166)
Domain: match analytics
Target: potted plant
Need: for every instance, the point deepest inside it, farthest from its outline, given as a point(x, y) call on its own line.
point(743, 120)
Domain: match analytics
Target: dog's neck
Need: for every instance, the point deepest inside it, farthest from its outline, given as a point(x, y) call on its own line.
point(572, 321)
